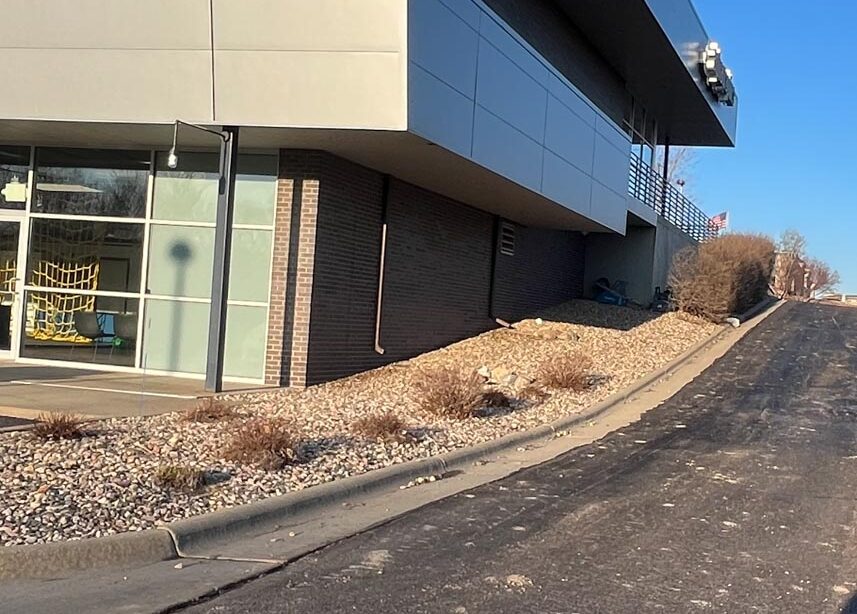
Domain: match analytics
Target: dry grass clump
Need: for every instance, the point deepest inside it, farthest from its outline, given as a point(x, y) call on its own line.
point(571, 372)
point(209, 410)
point(533, 394)
point(724, 276)
point(382, 427)
point(450, 393)
point(177, 477)
point(55, 426)
point(267, 443)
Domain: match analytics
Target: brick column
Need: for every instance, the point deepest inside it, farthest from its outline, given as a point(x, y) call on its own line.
point(303, 282)
point(292, 271)
point(277, 313)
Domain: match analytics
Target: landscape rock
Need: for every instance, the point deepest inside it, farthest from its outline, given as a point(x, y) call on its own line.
point(57, 490)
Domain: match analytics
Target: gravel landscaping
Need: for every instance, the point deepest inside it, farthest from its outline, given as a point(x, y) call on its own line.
point(107, 482)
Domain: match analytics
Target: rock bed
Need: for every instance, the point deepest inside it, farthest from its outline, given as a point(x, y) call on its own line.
point(103, 484)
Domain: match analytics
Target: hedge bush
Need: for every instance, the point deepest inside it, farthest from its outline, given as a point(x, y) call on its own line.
point(723, 276)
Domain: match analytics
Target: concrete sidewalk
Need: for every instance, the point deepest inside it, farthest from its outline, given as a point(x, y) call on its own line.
point(27, 390)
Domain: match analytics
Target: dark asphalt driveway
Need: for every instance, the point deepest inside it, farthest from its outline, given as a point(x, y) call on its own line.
point(737, 495)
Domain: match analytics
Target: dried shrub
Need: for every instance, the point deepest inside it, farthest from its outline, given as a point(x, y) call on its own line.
point(267, 443)
point(382, 427)
point(209, 410)
point(495, 399)
point(55, 426)
point(533, 394)
point(177, 477)
point(450, 393)
point(571, 372)
point(722, 277)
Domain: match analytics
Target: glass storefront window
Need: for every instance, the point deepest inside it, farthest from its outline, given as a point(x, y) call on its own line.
point(85, 255)
point(189, 193)
point(85, 282)
point(14, 167)
point(91, 182)
point(180, 261)
point(9, 232)
point(80, 328)
point(182, 328)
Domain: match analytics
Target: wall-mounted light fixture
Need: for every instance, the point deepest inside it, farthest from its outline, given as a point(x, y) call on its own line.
point(717, 77)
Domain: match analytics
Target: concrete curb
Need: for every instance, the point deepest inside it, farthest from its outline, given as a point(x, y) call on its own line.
point(759, 308)
point(184, 537)
point(62, 558)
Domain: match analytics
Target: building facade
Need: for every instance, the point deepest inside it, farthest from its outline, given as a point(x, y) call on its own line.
point(411, 172)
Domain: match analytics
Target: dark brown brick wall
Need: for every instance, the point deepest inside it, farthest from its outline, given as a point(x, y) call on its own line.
point(437, 273)
point(546, 27)
point(546, 270)
point(346, 272)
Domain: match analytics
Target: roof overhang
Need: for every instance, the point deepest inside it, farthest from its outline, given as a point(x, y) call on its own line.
point(656, 47)
point(401, 154)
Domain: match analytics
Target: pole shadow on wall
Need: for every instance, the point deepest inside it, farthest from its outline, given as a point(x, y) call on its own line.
point(181, 254)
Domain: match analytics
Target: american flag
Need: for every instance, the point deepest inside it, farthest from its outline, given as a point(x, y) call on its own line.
point(719, 222)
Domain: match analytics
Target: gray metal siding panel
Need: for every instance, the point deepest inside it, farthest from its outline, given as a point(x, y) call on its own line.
point(550, 32)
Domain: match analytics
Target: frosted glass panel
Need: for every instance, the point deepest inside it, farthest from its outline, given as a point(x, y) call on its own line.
point(176, 336)
point(256, 189)
point(189, 193)
point(250, 274)
point(246, 332)
point(180, 261)
point(181, 257)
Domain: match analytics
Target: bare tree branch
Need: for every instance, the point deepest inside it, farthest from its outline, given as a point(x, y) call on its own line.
point(822, 278)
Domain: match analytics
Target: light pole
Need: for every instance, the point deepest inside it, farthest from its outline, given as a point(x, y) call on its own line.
point(222, 247)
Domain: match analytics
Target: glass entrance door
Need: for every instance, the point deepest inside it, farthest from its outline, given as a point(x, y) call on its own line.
point(10, 278)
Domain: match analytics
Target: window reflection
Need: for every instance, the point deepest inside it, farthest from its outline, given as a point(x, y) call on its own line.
point(91, 182)
point(14, 166)
point(85, 255)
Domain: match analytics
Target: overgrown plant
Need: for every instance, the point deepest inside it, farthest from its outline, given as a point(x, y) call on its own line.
point(723, 276)
point(209, 410)
point(449, 392)
point(387, 427)
point(570, 372)
point(56, 426)
point(177, 477)
point(267, 443)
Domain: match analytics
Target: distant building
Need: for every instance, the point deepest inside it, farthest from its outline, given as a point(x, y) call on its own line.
point(791, 276)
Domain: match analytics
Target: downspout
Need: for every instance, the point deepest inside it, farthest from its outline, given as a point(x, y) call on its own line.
point(379, 303)
point(495, 248)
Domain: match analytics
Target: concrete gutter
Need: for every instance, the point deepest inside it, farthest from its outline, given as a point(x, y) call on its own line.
point(204, 536)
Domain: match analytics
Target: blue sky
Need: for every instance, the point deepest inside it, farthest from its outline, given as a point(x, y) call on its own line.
point(795, 165)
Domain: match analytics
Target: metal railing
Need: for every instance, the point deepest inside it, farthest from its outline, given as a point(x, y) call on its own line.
point(646, 185)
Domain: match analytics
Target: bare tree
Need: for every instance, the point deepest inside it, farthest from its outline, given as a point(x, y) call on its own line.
point(681, 167)
point(822, 278)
